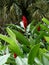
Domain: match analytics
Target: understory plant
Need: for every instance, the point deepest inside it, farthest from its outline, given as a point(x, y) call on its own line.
point(28, 46)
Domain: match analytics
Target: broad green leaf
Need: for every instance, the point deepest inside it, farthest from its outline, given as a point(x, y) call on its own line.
point(21, 38)
point(33, 53)
point(13, 44)
point(12, 35)
point(45, 20)
point(3, 59)
point(47, 39)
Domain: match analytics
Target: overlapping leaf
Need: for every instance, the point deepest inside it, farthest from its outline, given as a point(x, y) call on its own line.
point(33, 54)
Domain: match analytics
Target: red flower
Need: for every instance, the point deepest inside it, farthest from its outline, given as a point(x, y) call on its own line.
point(15, 55)
point(38, 28)
point(24, 20)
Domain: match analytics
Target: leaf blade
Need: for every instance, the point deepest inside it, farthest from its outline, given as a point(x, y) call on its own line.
point(32, 54)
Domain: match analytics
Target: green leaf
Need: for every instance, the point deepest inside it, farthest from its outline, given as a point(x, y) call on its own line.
point(12, 35)
point(25, 49)
point(3, 59)
point(13, 44)
point(21, 38)
point(44, 27)
point(15, 27)
point(47, 39)
point(34, 29)
point(45, 20)
point(39, 37)
point(33, 53)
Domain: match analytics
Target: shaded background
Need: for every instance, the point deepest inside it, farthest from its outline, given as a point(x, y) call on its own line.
point(11, 11)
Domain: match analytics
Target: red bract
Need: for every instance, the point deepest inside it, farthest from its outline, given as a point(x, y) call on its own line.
point(38, 28)
point(24, 20)
point(15, 55)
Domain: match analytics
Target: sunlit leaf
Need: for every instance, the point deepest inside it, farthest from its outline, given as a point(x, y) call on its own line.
point(45, 20)
point(47, 39)
point(13, 44)
point(12, 35)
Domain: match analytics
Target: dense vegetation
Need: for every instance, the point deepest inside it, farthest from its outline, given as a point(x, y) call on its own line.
point(28, 45)
point(12, 10)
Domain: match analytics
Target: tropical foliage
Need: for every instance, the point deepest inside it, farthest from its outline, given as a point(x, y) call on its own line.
point(12, 10)
point(28, 43)
point(30, 48)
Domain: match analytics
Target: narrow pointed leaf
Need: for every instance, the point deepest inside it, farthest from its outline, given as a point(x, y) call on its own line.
point(44, 27)
point(39, 37)
point(15, 47)
point(15, 27)
point(10, 33)
point(45, 20)
point(21, 38)
point(33, 54)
